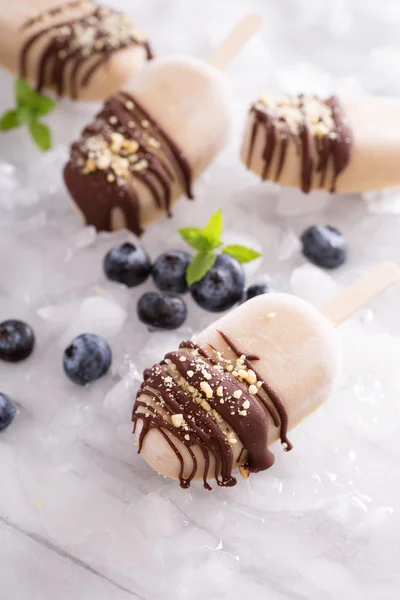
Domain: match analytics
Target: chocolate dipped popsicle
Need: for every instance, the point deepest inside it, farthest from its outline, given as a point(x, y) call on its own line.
point(77, 48)
point(149, 144)
point(324, 143)
point(220, 401)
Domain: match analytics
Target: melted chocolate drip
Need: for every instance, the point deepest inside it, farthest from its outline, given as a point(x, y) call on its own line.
point(331, 149)
point(277, 402)
point(64, 51)
point(168, 147)
point(179, 386)
point(98, 192)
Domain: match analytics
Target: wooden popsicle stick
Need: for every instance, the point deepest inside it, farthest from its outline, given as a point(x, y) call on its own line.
point(359, 293)
point(238, 37)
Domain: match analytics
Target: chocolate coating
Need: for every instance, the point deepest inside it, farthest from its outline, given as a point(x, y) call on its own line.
point(319, 145)
point(216, 408)
point(72, 44)
point(124, 144)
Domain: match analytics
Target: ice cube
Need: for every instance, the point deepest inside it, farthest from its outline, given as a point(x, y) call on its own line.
point(96, 314)
point(313, 284)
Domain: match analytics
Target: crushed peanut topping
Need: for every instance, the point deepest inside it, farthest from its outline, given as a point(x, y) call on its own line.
point(251, 376)
point(206, 374)
point(204, 404)
point(216, 416)
point(141, 165)
point(289, 113)
point(153, 142)
point(177, 420)
point(120, 155)
point(96, 32)
point(206, 388)
point(245, 473)
point(103, 162)
point(90, 165)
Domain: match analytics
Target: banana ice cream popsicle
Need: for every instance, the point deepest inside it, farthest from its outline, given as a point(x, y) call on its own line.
point(150, 142)
point(219, 402)
point(335, 144)
point(78, 48)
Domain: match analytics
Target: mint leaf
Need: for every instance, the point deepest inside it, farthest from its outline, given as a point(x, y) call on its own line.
point(30, 106)
point(200, 265)
point(213, 229)
point(241, 253)
point(41, 135)
point(25, 115)
point(42, 105)
point(195, 238)
point(205, 241)
point(24, 93)
point(10, 120)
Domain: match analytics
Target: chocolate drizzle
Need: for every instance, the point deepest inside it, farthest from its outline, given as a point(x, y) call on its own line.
point(215, 407)
point(319, 130)
point(72, 44)
point(124, 145)
point(270, 400)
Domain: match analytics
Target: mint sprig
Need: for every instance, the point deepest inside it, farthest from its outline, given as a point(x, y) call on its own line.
point(206, 241)
point(30, 108)
point(241, 253)
point(200, 265)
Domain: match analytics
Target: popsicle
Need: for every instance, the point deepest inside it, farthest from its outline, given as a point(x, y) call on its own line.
point(324, 143)
point(77, 48)
point(223, 398)
point(150, 143)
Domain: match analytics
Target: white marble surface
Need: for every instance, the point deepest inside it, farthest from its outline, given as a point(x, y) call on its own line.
point(81, 516)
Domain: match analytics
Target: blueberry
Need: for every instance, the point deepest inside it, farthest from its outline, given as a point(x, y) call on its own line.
point(16, 340)
point(256, 290)
point(7, 411)
point(129, 264)
point(87, 358)
point(222, 287)
point(324, 246)
point(169, 271)
point(162, 311)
